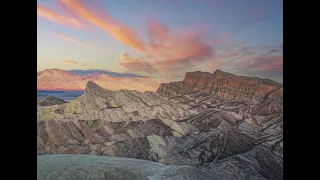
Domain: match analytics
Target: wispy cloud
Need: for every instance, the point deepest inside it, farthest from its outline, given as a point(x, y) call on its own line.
point(117, 30)
point(263, 60)
point(135, 65)
point(177, 51)
point(65, 61)
point(267, 64)
point(69, 39)
point(57, 18)
point(170, 53)
point(268, 61)
point(74, 41)
point(69, 62)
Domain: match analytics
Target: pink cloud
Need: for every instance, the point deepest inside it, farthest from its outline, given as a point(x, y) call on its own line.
point(135, 65)
point(65, 61)
point(57, 18)
point(170, 52)
point(266, 63)
point(259, 60)
point(74, 41)
point(176, 51)
point(100, 19)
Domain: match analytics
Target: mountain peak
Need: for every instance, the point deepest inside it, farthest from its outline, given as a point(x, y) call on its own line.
point(93, 88)
point(91, 85)
point(218, 73)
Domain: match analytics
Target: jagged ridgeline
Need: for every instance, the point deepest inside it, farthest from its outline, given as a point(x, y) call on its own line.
point(229, 126)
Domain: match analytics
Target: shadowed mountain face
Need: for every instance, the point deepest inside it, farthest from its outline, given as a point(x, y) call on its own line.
point(56, 79)
point(232, 131)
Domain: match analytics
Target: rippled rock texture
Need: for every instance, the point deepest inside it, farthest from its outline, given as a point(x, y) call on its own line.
point(229, 138)
point(225, 86)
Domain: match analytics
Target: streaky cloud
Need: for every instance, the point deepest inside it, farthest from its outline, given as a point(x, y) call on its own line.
point(57, 18)
point(74, 41)
point(65, 61)
point(116, 29)
point(136, 65)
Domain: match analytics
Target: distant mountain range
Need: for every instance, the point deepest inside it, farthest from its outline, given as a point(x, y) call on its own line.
point(99, 71)
point(56, 79)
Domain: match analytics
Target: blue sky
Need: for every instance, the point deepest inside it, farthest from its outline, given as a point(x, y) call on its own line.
point(251, 28)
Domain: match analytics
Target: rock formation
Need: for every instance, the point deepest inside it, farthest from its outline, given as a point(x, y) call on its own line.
point(224, 86)
point(123, 105)
point(232, 132)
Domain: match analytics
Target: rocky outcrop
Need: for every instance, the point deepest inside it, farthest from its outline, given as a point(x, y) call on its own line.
point(84, 167)
point(227, 138)
point(54, 134)
point(123, 105)
point(243, 143)
point(50, 100)
point(225, 86)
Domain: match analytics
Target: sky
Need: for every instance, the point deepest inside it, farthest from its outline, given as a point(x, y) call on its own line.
point(163, 39)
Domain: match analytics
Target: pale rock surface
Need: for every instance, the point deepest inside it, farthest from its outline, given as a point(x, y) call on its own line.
point(235, 135)
point(123, 105)
point(85, 167)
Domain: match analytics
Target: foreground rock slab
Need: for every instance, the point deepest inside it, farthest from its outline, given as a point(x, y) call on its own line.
point(85, 167)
